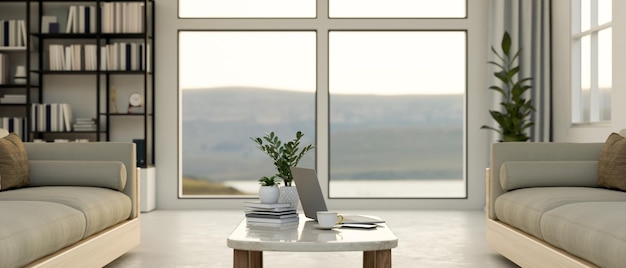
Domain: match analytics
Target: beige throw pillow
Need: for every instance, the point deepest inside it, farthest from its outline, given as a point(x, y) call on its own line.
point(612, 165)
point(13, 163)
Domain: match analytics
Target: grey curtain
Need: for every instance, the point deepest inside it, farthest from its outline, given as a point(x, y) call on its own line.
point(528, 23)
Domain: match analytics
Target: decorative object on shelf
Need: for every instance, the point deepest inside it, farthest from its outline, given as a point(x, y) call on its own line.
point(285, 155)
point(113, 100)
point(20, 75)
point(268, 192)
point(135, 103)
point(514, 119)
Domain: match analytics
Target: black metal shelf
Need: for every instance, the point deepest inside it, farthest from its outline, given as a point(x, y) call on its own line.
point(35, 58)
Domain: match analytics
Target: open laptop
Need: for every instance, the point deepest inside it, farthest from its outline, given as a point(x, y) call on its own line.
point(312, 199)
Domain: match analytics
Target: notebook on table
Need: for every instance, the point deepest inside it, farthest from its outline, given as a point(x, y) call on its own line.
point(313, 201)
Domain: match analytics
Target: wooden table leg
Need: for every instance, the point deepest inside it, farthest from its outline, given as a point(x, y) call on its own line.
point(377, 259)
point(247, 259)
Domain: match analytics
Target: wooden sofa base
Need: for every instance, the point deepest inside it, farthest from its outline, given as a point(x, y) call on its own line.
point(526, 250)
point(97, 250)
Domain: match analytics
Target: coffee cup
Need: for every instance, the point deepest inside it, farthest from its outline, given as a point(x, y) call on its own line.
point(327, 219)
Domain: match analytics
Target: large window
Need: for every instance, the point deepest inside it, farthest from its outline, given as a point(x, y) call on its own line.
point(390, 95)
point(591, 61)
point(235, 85)
point(396, 113)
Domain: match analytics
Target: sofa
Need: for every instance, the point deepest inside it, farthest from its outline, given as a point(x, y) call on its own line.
point(549, 204)
point(78, 205)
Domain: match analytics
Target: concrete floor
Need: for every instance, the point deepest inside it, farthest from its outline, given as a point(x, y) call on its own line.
point(425, 239)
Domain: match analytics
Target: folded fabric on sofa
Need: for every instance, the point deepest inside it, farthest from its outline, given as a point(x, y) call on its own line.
point(525, 174)
point(107, 174)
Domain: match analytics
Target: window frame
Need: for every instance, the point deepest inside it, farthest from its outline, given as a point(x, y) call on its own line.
point(477, 143)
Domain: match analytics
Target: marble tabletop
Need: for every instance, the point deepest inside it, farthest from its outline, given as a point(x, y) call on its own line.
point(304, 236)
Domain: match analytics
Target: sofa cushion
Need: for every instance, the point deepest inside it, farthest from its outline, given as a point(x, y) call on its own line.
point(31, 230)
point(102, 207)
point(13, 163)
point(108, 174)
point(524, 174)
point(594, 231)
point(612, 165)
point(523, 208)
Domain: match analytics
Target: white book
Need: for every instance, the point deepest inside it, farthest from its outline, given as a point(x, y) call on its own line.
point(67, 62)
point(42, 117)
point(122, 59)
point(70, 20)
point(104, 58)
point(67, 116)
point(81, 19)
point(24, 32)
point(54, 117)
point(12, 33)
point(118, 18)
point(92, 19)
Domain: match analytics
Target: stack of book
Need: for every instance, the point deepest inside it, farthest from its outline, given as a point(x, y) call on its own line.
point(270, 215)
point(13, 99)
point(84, 124)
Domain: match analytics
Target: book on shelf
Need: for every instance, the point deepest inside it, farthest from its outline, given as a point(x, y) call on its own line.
point(85, 124)
point(46, 20)
point(4, 69)
point(81, 19)
point(68, 58)
point(12, 33)
point(51, 117)
point(16, 125)
point(122, 17)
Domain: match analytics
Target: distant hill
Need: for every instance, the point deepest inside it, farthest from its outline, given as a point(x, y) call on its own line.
point(372, 137)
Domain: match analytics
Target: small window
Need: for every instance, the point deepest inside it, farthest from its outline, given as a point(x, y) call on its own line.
point(246, 8)
point(397, 9)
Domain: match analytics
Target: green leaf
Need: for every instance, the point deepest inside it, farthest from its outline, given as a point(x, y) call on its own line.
point(506, 43)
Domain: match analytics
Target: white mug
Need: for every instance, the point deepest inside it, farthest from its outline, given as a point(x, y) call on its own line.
point(327, 219)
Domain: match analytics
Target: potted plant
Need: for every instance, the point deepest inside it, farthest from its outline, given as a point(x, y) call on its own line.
point(284, 155)
point(514, 117)
point(268, 192)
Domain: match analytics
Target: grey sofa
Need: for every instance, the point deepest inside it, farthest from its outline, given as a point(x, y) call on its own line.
point(544, 208)
point(81, 208)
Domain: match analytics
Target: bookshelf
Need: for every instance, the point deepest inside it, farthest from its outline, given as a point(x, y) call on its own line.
point(15, 91)
point(84, 59)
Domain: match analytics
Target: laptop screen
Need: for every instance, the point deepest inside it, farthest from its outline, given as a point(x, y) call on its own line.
point(309, 191)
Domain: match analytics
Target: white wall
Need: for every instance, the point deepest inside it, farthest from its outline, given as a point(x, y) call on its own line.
point(564, 131)
point(167, 133)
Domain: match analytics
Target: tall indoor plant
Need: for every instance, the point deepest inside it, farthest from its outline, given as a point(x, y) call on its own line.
point(514, 118)
point(285, 155)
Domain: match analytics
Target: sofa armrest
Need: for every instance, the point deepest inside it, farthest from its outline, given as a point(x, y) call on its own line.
point(533, 151)
point(107, 174)
point(93, 151)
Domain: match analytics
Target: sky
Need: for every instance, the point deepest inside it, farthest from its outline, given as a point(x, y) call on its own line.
point(380, 63)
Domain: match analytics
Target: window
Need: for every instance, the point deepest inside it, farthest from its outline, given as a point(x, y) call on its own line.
point(235, 85)
point(591, 61)
point(390, 96)
point(246, 8)
point(396, 113)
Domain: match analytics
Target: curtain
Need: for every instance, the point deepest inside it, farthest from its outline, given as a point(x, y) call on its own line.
point(528, 23)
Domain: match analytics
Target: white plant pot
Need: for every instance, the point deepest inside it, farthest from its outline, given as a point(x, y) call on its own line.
point(289, 194)
point(269, 194)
